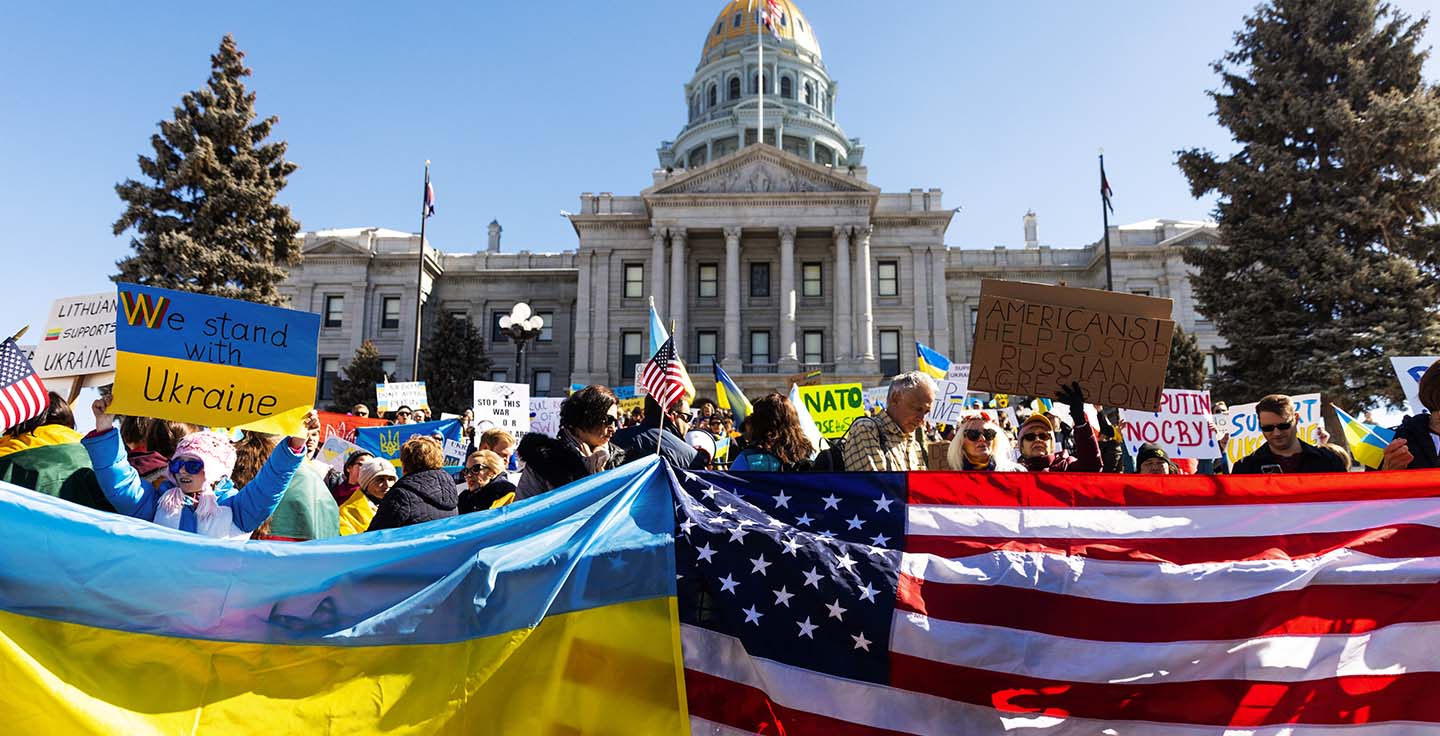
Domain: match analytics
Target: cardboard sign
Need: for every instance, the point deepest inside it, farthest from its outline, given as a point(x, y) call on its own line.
point(1181, 428)
point(1409, 370)
point(385, 441)
point(1030, 338)
point(392, 396)
point(213, 362)
point(333, 424)
point(545, 416)
point(834, 406)
point(950, 395)
point(503, 405)
point(1244, 427)
point(79, 337)
point(335, 451)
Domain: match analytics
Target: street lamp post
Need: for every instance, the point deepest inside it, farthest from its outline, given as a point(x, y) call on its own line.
point(521, 326)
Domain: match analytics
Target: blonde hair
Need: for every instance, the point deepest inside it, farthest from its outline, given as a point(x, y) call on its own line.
point(1000, 449)
point(490, 460)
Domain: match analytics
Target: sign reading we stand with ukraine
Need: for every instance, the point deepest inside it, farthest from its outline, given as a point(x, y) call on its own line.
point(212, 361)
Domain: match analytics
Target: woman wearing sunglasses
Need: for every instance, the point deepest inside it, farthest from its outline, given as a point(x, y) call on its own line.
point(588, 419)
point(982, 445)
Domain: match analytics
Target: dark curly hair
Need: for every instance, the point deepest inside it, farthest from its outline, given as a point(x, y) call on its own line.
point(774, 427)
point(587, 408)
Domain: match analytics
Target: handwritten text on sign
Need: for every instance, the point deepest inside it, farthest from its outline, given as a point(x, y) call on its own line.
point(214, 362)
point(391, 396)
point(1243, 425)
point(834, 406)
point(503, 405)
point(79, 337)
point(1031, 338)
point(950, 395)
point(1181, 427)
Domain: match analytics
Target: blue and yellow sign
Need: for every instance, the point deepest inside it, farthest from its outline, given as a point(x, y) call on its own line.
point(212, 361)
point(385, 442)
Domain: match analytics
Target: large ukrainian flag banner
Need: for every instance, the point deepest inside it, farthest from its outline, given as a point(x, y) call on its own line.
point(551, 616)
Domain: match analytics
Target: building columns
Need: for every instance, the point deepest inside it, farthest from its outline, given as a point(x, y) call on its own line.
point(582, 316)
point(939, 260)
point(787, 297)
point(844, 350)
point(600, 308)
point(731, 361)
point(677, 287)
point(921, 296)
point(866, 288)
point(657, 268)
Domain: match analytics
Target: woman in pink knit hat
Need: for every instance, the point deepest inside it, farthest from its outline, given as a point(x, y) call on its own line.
point(196, 494)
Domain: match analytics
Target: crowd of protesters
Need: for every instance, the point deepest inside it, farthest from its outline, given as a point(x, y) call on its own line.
point(259, 486)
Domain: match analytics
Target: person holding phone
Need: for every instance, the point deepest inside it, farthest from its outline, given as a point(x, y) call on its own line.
point(1284, 451)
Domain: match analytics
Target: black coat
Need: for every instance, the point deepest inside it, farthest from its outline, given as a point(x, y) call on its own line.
point(1312, 460)
point(1416, 431)
point(483, 497)
point(555, 462)
point(419, 497)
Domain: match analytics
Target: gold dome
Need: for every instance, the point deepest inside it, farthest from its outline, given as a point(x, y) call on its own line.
point(794, 26)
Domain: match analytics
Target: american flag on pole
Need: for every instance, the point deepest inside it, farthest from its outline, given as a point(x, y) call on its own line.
point(664, 377)
point(429, 205)
point(22, 395)
point(771, 16)
point(983, 603)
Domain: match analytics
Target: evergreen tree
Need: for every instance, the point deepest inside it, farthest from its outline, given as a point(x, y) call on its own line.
point(207, 220)
point(357, 385)
point(451, 361)
point(1329, 254)
point(1187, 363)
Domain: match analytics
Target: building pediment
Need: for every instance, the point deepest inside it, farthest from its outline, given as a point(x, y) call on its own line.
point(335, 247)
point(761, 170)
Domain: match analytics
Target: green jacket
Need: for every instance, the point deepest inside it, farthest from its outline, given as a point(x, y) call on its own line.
point(307, 510)
point(51, 460)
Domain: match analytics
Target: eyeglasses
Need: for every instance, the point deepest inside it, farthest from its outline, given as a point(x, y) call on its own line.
point(1268, 428)
point(1033, 436)
point(402, 413)
point(686, 416)
point(609, 420)
point(974, 435)
point(189, 465)
point(473, 470)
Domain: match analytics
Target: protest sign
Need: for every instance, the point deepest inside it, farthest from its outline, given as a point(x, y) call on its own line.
point(950, 395)
point(1181, 428)
point(385, 441)
point(503, 405)
point(626, 392)
point(834, 406)
point(212, 361)
point(1244, 427)
point(875, 398)
point(1030, 338)
point(334, 452)
point(392, 396)
point(1409, 370)
point(79, 337)
point(628, 406)
point(545, 416)
point(333, 424)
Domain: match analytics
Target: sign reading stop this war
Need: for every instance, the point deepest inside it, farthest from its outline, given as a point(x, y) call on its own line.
point(1031, 338)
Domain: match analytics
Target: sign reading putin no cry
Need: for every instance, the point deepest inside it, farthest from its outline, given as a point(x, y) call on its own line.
point(1031, 338)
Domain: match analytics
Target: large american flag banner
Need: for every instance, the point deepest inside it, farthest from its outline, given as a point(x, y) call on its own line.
point(22, 394)
point(980, 603)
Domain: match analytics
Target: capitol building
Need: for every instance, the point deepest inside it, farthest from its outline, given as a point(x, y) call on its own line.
point(772, 256)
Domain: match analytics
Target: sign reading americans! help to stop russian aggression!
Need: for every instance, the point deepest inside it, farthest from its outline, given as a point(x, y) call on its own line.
point(1031, 338)
point(213, 362)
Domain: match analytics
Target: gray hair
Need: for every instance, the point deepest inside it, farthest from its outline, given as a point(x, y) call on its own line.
point(907, 382)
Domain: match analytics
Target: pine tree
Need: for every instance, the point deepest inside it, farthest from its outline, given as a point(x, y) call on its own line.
point(452, 359)
point(1187, 363)
point(207, 220)
point(1330, 261)
point(357, 385)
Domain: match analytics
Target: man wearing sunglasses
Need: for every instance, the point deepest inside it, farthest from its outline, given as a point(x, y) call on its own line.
point(639, 441)
point(1284, 451)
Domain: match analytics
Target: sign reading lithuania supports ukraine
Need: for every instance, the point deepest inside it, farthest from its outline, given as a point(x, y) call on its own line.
point(212, 361)
point(554, 615)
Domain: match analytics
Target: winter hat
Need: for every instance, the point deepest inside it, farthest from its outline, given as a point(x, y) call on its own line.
point(1037, 418)
point(1150, 451)
point(211, 448)
point(374, 468)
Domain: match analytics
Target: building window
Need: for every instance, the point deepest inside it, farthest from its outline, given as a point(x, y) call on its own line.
point(390, 313)
point(499, 376)
point(974, 320)
point(705, 343)
point(387, 366)
point(329, 371)
point(547, 332)
point(457, 314)
point(634, 281)
point(787, 88)
point(760, 279)
point(738, 18)
point(889, 352)
point(710, 96)
point(631, 346)
point(334, 311)
point(1140, 292)
point(709, 280)
point(719, 27)
point(497, 335)
point(760, 347)
point(809, 94)
point(732, 91)
point(814, 347)
point(887, 278)
point(1211, 365)
point(811, 275)
point(541, 385)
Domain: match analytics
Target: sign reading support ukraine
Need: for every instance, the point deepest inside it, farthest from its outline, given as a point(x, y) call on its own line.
point(212, 361)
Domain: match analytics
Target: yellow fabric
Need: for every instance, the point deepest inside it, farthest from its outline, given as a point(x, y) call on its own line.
point(47, 435)
point(608, 670)
point(503, 500)
point(356, 514)
point(213, 385)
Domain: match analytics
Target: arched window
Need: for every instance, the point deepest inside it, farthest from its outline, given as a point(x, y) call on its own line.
point(711, 95)
point(734, 91)
point(719, 27)
point(755, 82)
point(738, 18)
point(829, 104)
point(787, 88)
point(809, 94)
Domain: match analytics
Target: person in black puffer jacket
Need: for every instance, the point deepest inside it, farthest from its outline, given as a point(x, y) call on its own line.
point(425, 493)
point(588, 419)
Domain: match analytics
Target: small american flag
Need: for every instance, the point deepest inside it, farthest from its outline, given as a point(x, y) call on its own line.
point(22, 395)
point(664, 377)
point(429, 196)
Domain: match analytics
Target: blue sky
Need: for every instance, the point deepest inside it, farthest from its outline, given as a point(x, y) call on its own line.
point(522, 106)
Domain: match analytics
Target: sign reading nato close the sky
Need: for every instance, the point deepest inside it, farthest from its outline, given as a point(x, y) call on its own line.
point(212, 361)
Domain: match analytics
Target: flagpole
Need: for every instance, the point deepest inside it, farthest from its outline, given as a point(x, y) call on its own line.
point(1105, 219)
point(420, 270)
point(760, 72)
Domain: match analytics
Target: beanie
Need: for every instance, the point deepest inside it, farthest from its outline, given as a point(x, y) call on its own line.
point(211, 448)
point(1150, 451)
point(374, 468)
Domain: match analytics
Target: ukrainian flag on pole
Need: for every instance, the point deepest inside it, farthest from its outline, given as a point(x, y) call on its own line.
point(931, 362)
point(1367, 442)
point(729, 395)
point(556, 615)
point(658, 334)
